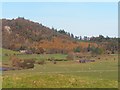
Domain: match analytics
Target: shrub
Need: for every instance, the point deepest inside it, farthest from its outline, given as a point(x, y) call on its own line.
point(22, 63)
point(15, 61)
point(54, 62)
point(6, 54)
point(70, 56)
point(77, 49)
point(41, 62)
point(97, 50)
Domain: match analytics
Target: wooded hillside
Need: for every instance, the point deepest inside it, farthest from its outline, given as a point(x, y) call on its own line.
point(22, 34)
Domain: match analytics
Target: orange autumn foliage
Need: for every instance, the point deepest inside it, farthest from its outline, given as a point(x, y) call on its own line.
point(62, 44)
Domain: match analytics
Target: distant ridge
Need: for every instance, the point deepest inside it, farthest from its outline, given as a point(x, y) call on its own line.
point(21, 33)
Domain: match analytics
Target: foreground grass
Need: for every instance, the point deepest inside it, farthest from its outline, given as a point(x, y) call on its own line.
point(66, 74)
point(55, 81)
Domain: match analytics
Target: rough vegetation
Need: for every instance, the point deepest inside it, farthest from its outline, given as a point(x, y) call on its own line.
point(22, 63)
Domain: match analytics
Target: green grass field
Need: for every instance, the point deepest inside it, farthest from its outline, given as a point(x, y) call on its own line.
point(65, 74)
point(6, 51)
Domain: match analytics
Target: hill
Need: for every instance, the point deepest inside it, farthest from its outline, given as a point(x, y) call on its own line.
point(20, 34)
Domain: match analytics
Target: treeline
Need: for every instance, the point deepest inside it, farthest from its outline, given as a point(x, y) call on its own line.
point(105, 44)
point(99, 38)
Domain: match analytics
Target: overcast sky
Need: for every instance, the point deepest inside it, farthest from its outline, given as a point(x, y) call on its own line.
point(79, 18)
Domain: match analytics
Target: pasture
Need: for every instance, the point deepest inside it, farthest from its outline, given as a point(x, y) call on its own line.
point(64, 74)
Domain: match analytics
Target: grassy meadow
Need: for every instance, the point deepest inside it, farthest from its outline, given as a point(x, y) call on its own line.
point(64, 74)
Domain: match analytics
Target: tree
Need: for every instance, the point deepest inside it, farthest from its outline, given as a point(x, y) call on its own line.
point(100, 38)
point(70, 56)
point(72, 35)
point(89, 48)
point(23, 47)
point(85, 38)
point(97, 50)
point(62, 32)
point(77, 49)
point(80, 37)
point(76, 37)
point(68, 34)
point(53, 28)
point(107, 38)
point(39, 50)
